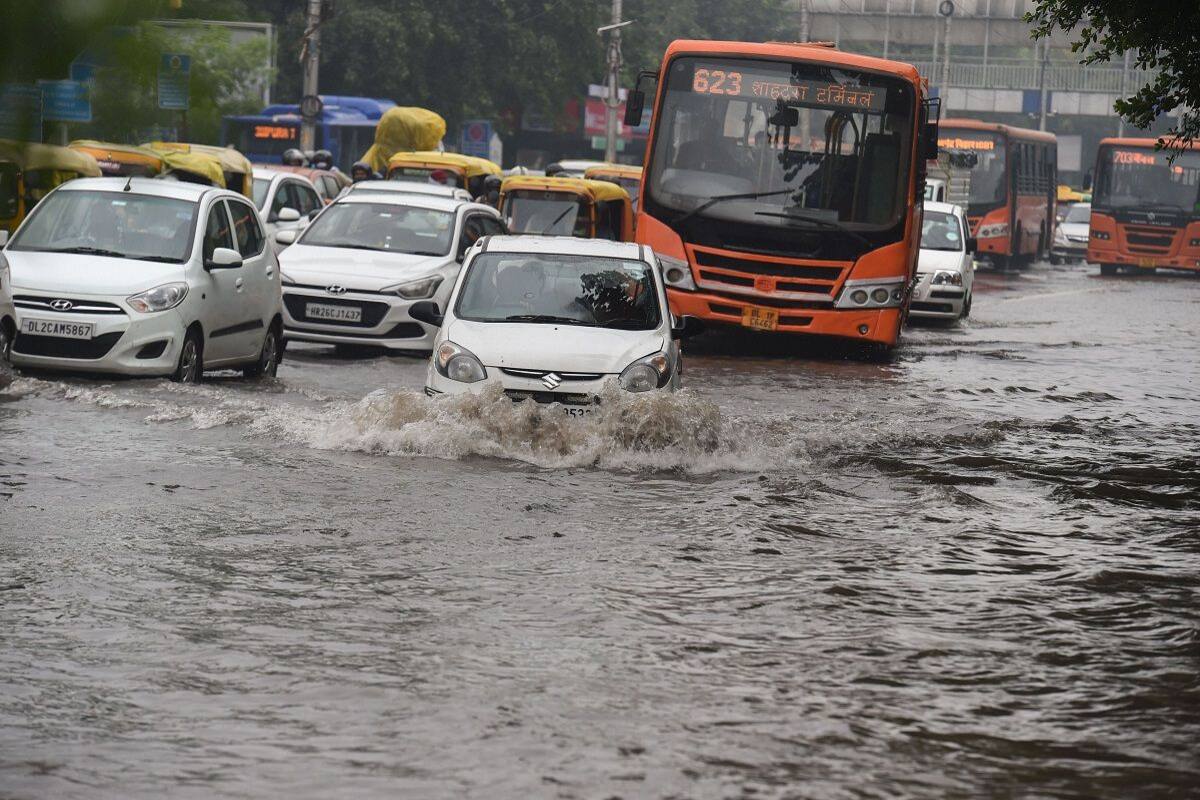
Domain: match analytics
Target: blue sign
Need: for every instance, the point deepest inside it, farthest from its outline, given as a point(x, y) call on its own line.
point(20, 111)
point(65, 101)
point(82, 72)
point(476, 138)
point(173, 72)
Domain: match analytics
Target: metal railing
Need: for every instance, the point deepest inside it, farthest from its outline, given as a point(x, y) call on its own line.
point(1060, 77)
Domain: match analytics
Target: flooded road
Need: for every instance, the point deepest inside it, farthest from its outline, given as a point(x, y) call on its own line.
point(972, 571)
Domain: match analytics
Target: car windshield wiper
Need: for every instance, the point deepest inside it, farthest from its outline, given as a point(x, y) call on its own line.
point(628, 324)
point(824, 223)
point(347, 245)
point(423, 253)
point(160, 259)
point(89, 251)
point(543, 318)
point(712, 201)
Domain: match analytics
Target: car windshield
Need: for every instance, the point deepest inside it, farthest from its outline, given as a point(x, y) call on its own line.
point(545, 213)
point(261, 187)
point(1132, 177)
point(560, 289)
point(116, 224)
point(382, 226)
point(941, 231)
point(781, 145)
point(1078, 213)
point(988, 184)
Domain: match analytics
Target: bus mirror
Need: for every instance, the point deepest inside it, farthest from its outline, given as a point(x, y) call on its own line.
point(1087, 181)
point(929, 141)
point(785, 117)
point(634, 103)
point(972, 244)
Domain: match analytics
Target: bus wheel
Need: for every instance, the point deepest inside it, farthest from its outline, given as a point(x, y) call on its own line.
point(1147, 270)
point(1108, 269)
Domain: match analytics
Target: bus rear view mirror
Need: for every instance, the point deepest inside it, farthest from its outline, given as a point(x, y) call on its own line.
point(634, 104)
point(785, 117)
point(929, 141)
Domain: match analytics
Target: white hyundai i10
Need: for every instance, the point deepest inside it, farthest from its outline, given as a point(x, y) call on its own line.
point(145, 277)
point(553, 319)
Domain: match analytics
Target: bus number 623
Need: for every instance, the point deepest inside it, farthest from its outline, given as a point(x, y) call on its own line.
point(717, 81)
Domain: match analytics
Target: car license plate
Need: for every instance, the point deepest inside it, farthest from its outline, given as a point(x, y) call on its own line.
point(50, 327)
point(333, 313)
point(577, 411)
point(1146, 262)
point(760, 319)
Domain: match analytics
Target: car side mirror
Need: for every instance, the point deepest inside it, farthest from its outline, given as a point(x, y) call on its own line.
point(223, 258)
point(288, 215)
point(285, 237)
point(3, 238)
point(635, 102)
point(972, 244)
point(426, 311)
point(687, 327)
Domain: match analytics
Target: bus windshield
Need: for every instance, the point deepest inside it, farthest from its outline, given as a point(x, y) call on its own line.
point(988, 184)
point(781, 146)
point(1131, 177)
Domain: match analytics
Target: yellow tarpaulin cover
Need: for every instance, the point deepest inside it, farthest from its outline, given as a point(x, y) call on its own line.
point(404, 128)
point(32, 156)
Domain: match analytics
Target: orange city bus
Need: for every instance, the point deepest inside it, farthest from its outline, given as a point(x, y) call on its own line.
point(782, 186)
point(1145, 207)
point(1014, 186)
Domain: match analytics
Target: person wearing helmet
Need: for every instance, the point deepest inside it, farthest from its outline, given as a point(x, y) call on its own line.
point(361, 171)
point(294, 157)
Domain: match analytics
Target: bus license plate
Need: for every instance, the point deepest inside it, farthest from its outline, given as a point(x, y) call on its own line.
point(65, 330)
point(1146, 262)
point(333, 313)
point(760, 319)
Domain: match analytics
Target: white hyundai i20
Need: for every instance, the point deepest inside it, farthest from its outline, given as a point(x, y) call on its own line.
point(145, 277)
point(553, 319)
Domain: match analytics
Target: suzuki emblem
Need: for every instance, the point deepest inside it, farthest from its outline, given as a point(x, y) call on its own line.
point(1150, 217)
point(62, 305)
point(335, 289)
point(551, 381)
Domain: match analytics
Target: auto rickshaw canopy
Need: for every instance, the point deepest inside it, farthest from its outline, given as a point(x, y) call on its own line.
point(466, 166)
point(36, 157)
point(121, 159)
point(606, 172)
point(237, 173)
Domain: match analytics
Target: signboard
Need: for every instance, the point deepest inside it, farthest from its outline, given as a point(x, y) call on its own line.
point(476, 138)
point(774, 86)
point(174, 69)
point(20, 111)
point(65, 101)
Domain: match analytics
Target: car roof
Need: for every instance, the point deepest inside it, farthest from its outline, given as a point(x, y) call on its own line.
point(564, 245)
point(426, 201)
point(945, 208)
point(267, 173)
point(156, 187)
point(406, 187)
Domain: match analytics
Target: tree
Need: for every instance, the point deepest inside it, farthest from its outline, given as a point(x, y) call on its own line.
point(1163, 34)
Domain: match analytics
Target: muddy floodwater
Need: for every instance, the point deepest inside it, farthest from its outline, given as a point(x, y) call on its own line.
point(972, 571)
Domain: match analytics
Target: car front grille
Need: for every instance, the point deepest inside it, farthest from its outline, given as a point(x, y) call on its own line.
point(61, 347)
point(372, 313)
point(29, 302)
point(566, 398)
point(538, 374)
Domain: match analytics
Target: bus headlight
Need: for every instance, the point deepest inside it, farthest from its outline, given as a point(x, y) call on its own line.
point(993, 231)
point(677, 273)
point(1101, 235)
point(868, 294)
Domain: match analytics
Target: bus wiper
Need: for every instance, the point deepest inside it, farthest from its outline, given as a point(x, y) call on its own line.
point(543, 318)
point(712, 201)
point(89, 251)
point(557, 220)
point(837, 226)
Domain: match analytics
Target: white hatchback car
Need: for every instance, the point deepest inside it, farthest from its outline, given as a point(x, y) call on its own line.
point(353, 274)
point(406, 187)
point(285, 200)
point(553, 319)
point(145, 277)
point(8, 315)
point(945, 265)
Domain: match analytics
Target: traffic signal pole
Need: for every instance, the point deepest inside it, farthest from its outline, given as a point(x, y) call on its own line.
point(311, 58)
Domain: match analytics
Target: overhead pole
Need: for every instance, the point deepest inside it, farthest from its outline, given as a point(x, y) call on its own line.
point(613, 101)
point(310, 56)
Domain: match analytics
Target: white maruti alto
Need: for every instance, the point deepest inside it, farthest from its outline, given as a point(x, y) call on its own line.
point(555, 319)
point(144, 277)
point(945, 265)
point(352, 276)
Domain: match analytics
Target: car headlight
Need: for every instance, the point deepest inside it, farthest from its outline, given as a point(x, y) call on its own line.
point(458, 363)
point(286, 279)
point(160, 298)
point(946, 278)
point(422, 289)
point(677, 273)
point(645, 374)
point(1060, 235)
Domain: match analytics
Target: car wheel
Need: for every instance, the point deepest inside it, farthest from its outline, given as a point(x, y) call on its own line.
point(966, 309)
point(268, 357)
point(1055, 260)
point(6, 343)
point(1108, 269)
point(190, 367)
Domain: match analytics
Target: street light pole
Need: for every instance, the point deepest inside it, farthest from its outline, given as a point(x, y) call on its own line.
point(311, 57)
point(614, 78)
point(1042, 85)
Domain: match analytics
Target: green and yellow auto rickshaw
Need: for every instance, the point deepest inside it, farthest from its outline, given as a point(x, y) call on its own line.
point(29, 171)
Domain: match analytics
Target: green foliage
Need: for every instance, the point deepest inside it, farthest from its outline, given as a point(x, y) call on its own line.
point(1164, 35)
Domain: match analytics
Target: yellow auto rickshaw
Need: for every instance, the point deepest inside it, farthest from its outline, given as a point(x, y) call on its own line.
point(236, 170)
point(28, 171)
point(121, 160)
point(566, 207)
point(452, 169)
point(627, 176)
